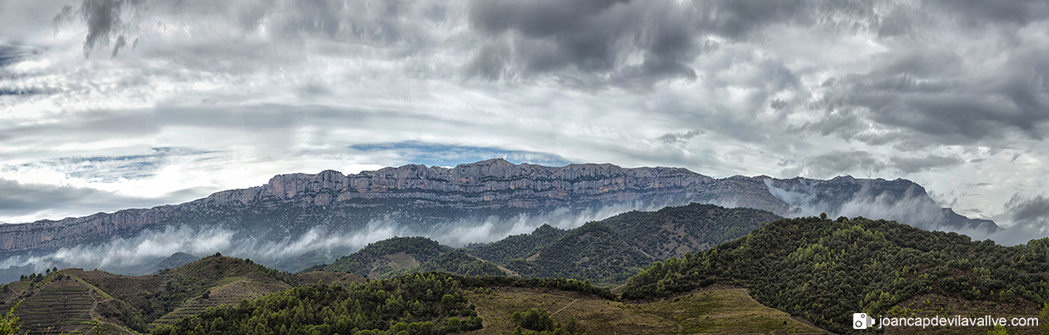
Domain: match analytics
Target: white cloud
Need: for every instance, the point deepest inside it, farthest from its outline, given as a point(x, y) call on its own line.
point(281, 87)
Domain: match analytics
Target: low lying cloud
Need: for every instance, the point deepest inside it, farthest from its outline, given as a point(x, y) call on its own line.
point(492, 229)
point(1023, 218)
point(137, 254)
point(1029, 217)
point(913, 208)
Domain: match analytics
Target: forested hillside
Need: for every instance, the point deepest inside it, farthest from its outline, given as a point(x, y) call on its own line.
point(675, 231)
point(516, 246)
point(386, 256)
point(612, 250)
point(592, 252)
point(420, 303)
point(826, 270)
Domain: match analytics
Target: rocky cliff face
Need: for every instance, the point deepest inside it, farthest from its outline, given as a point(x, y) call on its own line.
point(293, 202)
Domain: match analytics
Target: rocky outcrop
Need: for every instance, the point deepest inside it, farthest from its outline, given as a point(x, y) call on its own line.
point(294, 201)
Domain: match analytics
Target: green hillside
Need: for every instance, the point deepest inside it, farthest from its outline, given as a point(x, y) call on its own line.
point(420, 303)
point(612, 250)
point(459, 262)
point(826, 270)
point(387, 256)
point(516, 246)
point(675, 231)
point(592, 252)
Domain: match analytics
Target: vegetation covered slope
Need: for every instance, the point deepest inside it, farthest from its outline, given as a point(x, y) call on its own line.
point(401, 255)
point(675, 231)
point(516, 246)
point(176, 260)
point(386, 256)
point(715, 311)
point(71, 299)
point(611, 250)
point(459, 262)
point(826, 270)
point(592, 252)
point(420, 303)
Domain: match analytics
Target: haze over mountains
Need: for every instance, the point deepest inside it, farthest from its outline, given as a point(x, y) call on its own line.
point(313, 218)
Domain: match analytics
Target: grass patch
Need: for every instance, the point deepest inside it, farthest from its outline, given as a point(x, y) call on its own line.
point(721, 311)
point(725, 311)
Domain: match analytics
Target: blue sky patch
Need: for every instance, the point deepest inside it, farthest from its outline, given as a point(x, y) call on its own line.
point(430, 154)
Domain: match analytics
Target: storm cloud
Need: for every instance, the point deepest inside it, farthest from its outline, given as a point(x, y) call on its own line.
point(933, 91)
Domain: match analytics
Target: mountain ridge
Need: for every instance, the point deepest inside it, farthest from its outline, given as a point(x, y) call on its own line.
point(420, 196)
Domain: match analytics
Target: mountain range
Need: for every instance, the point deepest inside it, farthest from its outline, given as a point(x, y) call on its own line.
point(436, 200)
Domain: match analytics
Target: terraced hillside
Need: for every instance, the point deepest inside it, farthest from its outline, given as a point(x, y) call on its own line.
point(70, 300)
point(62, 306)
point(238, 288)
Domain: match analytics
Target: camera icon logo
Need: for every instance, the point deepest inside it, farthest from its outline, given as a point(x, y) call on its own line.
point(861, 321)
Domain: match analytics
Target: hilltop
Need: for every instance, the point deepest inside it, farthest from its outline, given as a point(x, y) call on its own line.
point(486, 305)
point(71, 299)
point(610, 251)
point(824, 270)
point(401, 255)
point(605, 252)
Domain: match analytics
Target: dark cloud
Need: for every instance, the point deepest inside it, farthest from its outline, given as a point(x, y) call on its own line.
point(980, 12)
point(846, 162)
point(489, 62)
point(1028, 210)
point(9, 54)
point(843, 162)
point(377, 22)
point(320, 16)
point(582, 38)
point(18, 199)
point(928, 97)
point(23, 91)
point(65, 14)
point(900, 21)
point(631, 43)
point(103, 18)
point(16, 52)
point(119, 44)
point(913, 165)
point(671, 138)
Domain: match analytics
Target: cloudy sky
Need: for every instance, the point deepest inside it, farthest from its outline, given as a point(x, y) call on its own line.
point(109, 104)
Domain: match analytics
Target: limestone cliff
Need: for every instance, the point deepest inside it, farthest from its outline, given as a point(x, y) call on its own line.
point(293, 202)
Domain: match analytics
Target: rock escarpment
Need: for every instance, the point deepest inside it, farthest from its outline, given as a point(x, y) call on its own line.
point(292, 203)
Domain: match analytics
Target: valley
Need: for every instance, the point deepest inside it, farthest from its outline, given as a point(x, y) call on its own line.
point(761, 274)
point(296, 221)
point(682, 269)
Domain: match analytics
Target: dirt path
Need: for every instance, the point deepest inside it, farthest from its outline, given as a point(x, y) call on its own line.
point(798, 319)
point(563, 308)
point(94, 304)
